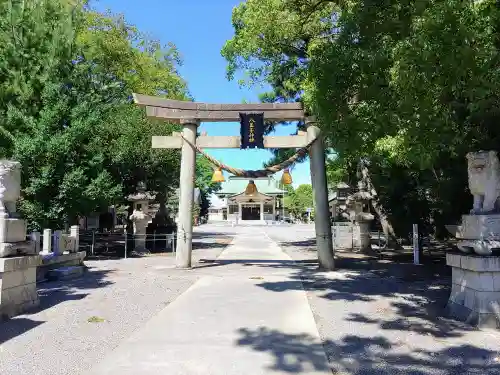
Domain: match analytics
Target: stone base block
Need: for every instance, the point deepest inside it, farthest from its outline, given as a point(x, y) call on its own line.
point(480, 226)
point(17, 248)
point(15, 230)
point(480, 247)
point(475, 290)
point(66, 273)
point(18, 291)
point(51, 262)
point(479, 234)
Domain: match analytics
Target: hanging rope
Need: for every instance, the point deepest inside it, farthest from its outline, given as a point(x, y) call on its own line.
point(258, 173)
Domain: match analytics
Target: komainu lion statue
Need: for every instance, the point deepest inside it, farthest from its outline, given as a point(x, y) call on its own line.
point(484, 181)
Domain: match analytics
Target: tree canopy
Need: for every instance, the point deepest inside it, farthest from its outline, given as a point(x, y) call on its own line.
point(405, 87)
point(297, 201)
point(67, 74)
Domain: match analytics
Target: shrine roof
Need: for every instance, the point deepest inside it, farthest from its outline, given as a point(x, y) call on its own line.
point(238, 186)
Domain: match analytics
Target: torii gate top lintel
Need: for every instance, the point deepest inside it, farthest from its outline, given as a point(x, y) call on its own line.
point(184, 111)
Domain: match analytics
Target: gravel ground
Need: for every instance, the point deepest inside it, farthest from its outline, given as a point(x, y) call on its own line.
point(376, 317)
point(81, 321)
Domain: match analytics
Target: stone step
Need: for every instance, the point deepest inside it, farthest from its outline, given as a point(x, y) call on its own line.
point(244, 223)
point(65, 273)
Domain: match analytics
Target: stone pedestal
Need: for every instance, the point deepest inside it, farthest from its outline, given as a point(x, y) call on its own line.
point(479, 234)
point(362, 240)
point(343, 236)
point(140, 220)
point(18, 285)
point(13, 239)
point(475, 292)
point(352, 236)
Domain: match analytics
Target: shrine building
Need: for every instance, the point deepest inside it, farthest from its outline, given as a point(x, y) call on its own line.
point(249, 200)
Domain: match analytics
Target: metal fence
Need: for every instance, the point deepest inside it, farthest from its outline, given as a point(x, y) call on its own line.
point(120, 244)
point(154, 242)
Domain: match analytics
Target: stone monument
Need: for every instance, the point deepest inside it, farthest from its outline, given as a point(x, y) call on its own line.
point(475, 294)
point(18, 258)
point(479, 232)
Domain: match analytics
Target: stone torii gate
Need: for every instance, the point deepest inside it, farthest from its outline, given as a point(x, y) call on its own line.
point(191, 114)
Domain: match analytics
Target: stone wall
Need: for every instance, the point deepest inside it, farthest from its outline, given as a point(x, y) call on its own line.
point(18, 291)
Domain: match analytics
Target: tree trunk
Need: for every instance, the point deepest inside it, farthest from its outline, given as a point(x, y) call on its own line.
point(387, 228)
point(161, 216)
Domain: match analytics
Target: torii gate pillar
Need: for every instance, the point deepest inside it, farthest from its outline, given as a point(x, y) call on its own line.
point(186, 198)
point(319, 183)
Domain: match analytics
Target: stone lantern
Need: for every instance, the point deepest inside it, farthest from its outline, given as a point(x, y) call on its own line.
point(341, 201)
point(140, 215)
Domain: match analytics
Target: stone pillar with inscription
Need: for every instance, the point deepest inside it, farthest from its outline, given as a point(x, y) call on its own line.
point(475, 292)
point(18, 258)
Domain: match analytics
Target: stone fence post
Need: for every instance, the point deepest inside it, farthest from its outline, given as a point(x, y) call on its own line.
point(57, 245)
point(35, 237)
point(47, 241)
point(75, 234)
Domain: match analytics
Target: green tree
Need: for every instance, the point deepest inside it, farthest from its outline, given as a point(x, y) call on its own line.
point(277, 49)
point(297, 201)
point(402, 90)
point(203, 181)
point(66, 111)
point(143, 65)
point(271, 41)
point(270, 45)
point(414, 92)
point(203, 178)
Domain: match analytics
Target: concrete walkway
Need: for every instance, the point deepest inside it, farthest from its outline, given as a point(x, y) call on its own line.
point(226, 323)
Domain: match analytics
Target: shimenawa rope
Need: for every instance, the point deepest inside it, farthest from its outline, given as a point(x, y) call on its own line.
point(258, 173)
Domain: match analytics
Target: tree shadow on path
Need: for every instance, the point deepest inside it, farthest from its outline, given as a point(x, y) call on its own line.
point(356, 355)
point(15, 327)
point(417, 295)
point(292, 353)
point(53, 293)
point(417, 299)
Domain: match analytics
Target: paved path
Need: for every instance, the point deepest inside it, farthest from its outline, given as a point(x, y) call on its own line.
point(226, 323)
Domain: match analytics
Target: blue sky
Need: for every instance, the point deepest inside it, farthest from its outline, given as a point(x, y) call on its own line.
point(199, 29)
